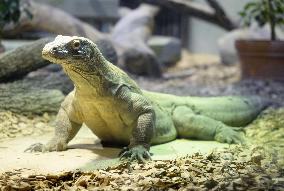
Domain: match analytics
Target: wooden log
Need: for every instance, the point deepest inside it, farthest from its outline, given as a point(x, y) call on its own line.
point(46, 79)
point(213, 12)
point(22, 60)
point(22, 97)
point(53, 20)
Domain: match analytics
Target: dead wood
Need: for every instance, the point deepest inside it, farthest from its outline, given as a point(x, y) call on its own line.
point(22, 60)
point(45, 78)
point(25, 98)
point(53, 20)
point(213, 12)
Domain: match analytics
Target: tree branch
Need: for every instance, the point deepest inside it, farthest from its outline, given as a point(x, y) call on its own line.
point(22, 60)
point(221, 15)
point(53, 20)
point(213, 13)
point(23, 97)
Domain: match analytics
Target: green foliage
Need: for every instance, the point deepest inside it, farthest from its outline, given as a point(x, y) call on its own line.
point(264, 11)
point(9, 11)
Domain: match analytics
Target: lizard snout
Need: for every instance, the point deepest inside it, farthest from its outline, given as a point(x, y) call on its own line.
point(46, 51)
point(53, 52)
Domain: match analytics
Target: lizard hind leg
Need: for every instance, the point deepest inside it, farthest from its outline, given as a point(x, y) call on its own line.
point(165, 130)
point(191, 125)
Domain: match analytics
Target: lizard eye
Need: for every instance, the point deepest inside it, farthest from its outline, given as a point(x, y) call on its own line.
point(76, 44)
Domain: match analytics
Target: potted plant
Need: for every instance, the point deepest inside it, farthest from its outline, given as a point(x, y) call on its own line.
point(262, 58)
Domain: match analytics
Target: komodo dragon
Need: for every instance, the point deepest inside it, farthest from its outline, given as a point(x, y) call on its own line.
point(112, 105)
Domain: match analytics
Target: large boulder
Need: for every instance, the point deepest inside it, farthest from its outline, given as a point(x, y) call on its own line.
point(167, 49)
point(130, 36)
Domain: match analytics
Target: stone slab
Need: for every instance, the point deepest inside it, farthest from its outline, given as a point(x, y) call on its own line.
point(97, 9)
point(168, 49)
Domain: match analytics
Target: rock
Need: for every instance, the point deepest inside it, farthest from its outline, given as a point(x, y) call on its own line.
point(226, 44)
point(167, 49)
point(142, 64)
point(123, 11)
point(130, 36)
point(107, 49)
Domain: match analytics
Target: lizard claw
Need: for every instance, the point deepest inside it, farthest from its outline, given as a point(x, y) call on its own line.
point(124, 149)
point(239, 129)
point(53, 145)
point(138, 153)
point(37, 147)
point(231, 136)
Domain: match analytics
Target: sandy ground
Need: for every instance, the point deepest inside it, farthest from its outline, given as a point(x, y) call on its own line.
point(84, 153)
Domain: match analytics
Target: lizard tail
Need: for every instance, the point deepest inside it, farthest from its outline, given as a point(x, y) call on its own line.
point(233, 110)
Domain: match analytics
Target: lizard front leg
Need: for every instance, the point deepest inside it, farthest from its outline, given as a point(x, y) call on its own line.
point(142, 133)
point(65, 130)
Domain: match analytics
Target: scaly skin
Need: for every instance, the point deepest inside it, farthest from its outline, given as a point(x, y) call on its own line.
point(111, 104)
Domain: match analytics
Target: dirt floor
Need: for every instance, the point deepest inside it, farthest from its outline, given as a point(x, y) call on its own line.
point(259, 165)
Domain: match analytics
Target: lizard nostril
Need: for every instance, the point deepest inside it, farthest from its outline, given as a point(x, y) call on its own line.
point(54, 49)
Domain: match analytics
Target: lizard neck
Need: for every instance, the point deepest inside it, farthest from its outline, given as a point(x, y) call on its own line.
point(94, 80)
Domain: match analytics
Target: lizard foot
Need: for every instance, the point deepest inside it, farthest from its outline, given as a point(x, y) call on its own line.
point(138, 152)
point(230, 135)
point(52, 145)
point(37, 147)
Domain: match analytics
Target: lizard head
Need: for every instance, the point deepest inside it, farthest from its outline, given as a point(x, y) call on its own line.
point(73, 53)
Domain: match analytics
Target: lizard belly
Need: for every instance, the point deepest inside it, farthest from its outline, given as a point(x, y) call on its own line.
point(106, 120)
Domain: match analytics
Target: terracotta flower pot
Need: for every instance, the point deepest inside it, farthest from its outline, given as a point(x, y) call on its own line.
point(261, 58)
